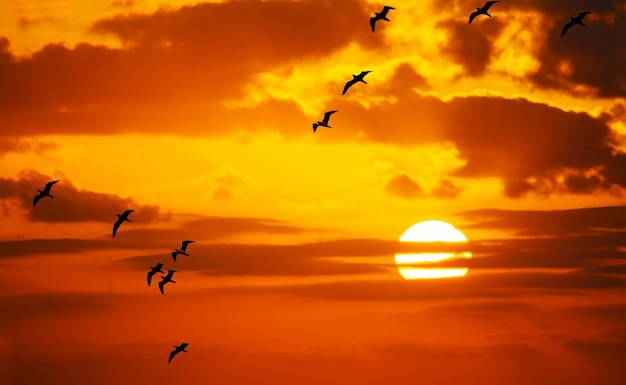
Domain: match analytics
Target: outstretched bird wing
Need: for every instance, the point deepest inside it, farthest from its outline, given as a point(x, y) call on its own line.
point(172, 354)
point(472, 16)
point(150, 274)
point(161, 284)
point(489, 4)
point(327, 115)
point(373, 23)
point(49, 186)
point(127, 213)
point(348, 85)
point(185, 243)
point(36, 199)
point(363, 73)
point(582, 15)
point(116, 226)
point(386, 9)
point(566, 27)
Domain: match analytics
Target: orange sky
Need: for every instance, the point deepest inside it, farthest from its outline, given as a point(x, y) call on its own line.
point(198, 116)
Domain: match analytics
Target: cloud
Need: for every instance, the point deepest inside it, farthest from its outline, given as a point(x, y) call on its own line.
point(589, 220)
point(280, 260)
point(69, 203)
point(8, 145)
point(95, 89)
point(403, 186)
point(471, 45)
point(587, 60)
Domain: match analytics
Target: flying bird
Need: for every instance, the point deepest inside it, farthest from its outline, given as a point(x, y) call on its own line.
point(155, 269)
point(121, 218)
point(182, 250)
point(355, 79)
point(324, 122)
point(482, 11)
point(44, 193)
point(380, 16)
point(575, 20)
point(166, 279)
point(180, 348)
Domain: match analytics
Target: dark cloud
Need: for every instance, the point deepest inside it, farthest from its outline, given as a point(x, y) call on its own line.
point(279, 260)
point(8, 145)
point(589, 220)
point(403, 186)
point(200, 54)
point(474, 285)
point(471, 45)
point(593, 56)
point(447, 190)
point(69, 204)
point(530, 146)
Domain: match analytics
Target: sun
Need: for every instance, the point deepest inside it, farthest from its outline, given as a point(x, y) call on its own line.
point(437, 239)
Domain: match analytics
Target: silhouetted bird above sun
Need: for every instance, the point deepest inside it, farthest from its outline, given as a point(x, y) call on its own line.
point(575, 20)
point(324, 122)
point(482, 11)
point(182, 250)
point(155, 269)
point(355, 79)
point(166, 279)
point(44, 193)
point(382, 15)
point(121, 218)
point(179, 348)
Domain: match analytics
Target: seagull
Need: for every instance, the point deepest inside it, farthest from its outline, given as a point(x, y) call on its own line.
point(324, 122)
point(355, 79)
point(44, 193)
point(182, 250)
point(121, 218)
point(482, 11)
point(166, 279)
point(180, 348)
point(380, 16)
point(575, 20)
point(155, 269)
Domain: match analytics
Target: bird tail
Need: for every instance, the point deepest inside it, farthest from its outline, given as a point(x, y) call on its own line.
point(126, 219)
point(363, 81)
point(384, 18)
point(174, 255)
point(53, 197)
point(172, 281)
point(581, 23)
point(487, 13)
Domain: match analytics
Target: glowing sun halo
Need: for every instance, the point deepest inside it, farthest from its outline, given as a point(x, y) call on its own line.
point(433, 232)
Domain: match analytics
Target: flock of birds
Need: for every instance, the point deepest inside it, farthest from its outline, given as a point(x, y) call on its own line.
point(167, 278)
point(382, 15)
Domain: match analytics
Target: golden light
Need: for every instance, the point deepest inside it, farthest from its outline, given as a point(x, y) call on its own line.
point(431, 235)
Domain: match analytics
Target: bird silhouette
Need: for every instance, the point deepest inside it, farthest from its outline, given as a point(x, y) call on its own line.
point(166, 279)
point(355, 79)
point(121, 218)
point(178, 349)
point(575, 20)
point(482, 11)
point(155, 269)
point(182, 250)
point(44, 193)
point(382, 15)
point(324, 122)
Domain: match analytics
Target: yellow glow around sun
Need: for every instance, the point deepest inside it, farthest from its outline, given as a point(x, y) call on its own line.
point(429, 232)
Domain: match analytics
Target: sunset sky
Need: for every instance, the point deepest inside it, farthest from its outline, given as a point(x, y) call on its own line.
point(197, 115)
